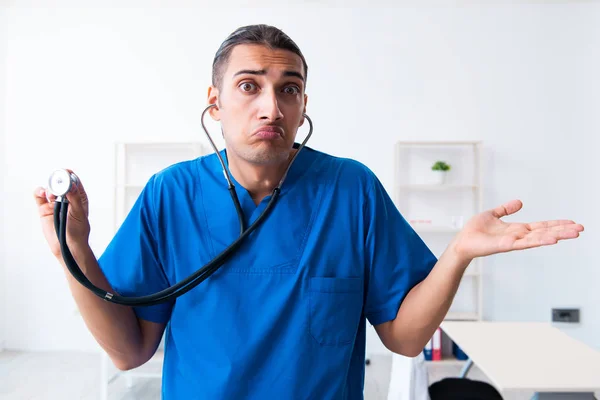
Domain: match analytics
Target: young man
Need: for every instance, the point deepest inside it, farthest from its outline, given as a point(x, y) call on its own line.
point(285, 317)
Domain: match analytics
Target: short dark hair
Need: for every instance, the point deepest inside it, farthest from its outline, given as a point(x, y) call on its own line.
point(261, 34)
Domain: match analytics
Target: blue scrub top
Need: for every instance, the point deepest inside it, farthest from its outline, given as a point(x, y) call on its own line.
point(285, 317)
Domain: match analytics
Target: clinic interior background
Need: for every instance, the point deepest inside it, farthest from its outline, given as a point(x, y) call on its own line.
point(522, 77)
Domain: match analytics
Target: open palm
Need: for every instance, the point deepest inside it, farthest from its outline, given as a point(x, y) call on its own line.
point(487, 234)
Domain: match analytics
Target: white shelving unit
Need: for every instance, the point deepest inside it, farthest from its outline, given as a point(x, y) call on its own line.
point(438, 212)
point(135, 163)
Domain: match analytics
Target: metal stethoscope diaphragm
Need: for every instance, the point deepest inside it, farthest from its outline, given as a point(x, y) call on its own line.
point(61, 182)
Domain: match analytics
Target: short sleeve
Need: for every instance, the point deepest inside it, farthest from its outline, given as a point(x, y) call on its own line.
point(131, 261)
point(396, 257)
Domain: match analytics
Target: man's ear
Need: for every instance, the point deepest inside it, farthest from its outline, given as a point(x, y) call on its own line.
point(304, 110)
point(213, 98)
point(305, 101)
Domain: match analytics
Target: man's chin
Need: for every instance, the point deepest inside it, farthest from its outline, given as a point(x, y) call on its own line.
point(268, 154)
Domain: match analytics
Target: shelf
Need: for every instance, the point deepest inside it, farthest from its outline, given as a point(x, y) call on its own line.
point(462, 316)
point(447, 361)
point(437, 210)
point(435, 143)
point(437, 188)
point(435, 229)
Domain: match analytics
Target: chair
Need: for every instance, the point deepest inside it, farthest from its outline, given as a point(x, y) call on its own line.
point(463, 389)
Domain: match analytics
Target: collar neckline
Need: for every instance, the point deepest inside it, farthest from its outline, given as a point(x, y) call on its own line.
point(297, 169)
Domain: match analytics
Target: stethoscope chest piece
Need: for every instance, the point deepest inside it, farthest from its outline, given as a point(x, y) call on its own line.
point(61, 182)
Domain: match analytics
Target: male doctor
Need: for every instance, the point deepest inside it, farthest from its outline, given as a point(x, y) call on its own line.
point(285, 317)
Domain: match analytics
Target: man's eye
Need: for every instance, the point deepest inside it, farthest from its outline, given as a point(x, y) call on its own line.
point(292, 89)
point(247, 86)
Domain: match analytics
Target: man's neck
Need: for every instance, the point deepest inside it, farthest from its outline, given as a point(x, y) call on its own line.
point(258, 180)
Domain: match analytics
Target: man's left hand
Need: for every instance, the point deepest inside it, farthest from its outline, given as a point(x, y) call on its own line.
point(487, 234)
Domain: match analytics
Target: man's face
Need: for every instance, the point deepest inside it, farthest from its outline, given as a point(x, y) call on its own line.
point(260, 103)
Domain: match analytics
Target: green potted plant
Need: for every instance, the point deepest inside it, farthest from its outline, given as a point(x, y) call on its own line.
point(440, 169)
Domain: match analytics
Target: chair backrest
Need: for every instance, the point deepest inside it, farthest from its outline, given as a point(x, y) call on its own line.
point(463, 389)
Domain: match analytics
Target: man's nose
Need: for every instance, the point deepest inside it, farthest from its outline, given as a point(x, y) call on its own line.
point(269, 108)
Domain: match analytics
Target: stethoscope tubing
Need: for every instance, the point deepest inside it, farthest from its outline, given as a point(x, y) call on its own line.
point(60, 225)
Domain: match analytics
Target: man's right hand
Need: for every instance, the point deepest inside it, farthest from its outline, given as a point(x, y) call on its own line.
point(128, 341)
point(78, 226)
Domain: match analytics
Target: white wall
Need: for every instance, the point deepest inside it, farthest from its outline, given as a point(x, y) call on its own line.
point(518, 77)
point(3, 320)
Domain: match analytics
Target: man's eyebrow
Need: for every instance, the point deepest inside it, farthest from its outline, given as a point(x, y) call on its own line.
point(295, 74)
point(264, 72)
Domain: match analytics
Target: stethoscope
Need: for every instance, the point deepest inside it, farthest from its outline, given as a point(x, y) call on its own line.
point(62, 181)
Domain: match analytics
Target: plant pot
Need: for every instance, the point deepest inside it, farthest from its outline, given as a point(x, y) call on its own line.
point(438, 177)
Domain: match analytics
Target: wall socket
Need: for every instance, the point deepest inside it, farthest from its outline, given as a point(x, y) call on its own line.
point(565, 315)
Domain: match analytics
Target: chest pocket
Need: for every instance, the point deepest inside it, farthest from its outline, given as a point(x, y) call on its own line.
point(335, 307)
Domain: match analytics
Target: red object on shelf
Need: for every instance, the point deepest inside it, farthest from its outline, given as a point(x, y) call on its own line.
point(437, 345)
point(420, 221)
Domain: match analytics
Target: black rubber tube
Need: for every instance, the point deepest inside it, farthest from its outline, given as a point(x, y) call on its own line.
point(180, 288)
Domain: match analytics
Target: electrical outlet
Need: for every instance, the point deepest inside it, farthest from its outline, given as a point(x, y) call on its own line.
point(565, 315)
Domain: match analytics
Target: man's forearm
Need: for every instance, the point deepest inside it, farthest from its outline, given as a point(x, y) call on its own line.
point(114, 327)
point(426, 305)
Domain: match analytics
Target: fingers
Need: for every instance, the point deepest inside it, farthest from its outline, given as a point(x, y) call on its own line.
point(555, 226)
point(77, 208)
point(46, 210)
point(507, 208)
point(567, 234)
point(533, 240)
point(78, 198)
point(79, 183)
point(567, 227)
point(559, 223)
point(547, 224)
point(44, 201)
point(39, 195)
point(544, 238)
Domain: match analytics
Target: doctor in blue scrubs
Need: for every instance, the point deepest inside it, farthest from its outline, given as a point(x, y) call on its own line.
point(285, 317)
